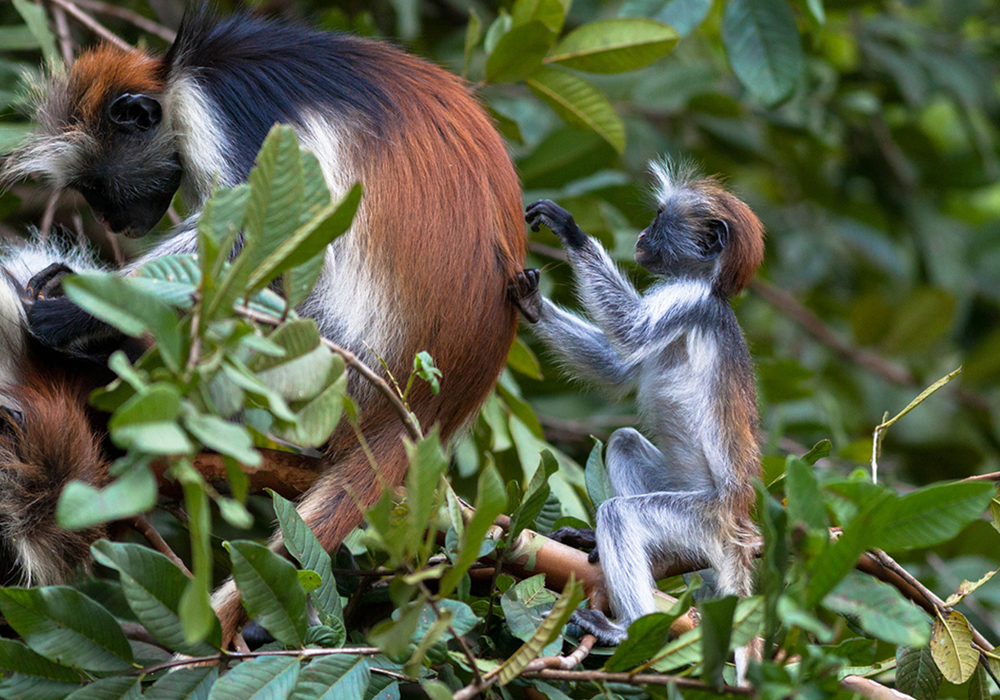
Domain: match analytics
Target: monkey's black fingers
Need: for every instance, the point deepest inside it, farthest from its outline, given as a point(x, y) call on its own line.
point(595, 556)
point(579, 537)
point(547, 212)
point(63, 326)
point(47, 284)
point(523, 293)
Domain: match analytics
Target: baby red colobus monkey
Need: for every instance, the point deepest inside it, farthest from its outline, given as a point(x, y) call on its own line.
point(685, 495)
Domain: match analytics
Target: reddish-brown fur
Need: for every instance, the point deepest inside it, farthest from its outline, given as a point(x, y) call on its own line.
point(101, 73)
point(745, 249)
point(57, 444)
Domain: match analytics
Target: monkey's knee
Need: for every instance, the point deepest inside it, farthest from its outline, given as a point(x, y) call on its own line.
point(635, 465)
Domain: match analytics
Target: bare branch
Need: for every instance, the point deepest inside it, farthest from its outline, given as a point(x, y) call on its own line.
point(134, 18)
point(146, 529)
point(92, 24)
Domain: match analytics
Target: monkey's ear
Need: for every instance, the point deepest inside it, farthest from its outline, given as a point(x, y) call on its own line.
point(715, 242)
point(136, 112)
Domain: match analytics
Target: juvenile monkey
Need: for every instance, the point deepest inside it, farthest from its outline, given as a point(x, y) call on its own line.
point(686, 494)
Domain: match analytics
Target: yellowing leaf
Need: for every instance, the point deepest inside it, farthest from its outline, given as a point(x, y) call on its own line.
point(951, 647)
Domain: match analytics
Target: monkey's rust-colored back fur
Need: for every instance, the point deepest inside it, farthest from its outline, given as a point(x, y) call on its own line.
point(56, 444)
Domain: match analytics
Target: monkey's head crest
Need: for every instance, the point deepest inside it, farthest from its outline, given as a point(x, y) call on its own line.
point(700, 228)
point(101, 131)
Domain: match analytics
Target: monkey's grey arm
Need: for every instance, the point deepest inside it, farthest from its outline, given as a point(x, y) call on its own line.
point(608, 297)
point(583, 347)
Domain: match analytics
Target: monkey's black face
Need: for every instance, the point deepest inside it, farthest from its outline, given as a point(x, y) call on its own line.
point(131, 177)
point(674, 247)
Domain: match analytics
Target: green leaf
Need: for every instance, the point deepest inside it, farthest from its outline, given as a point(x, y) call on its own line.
point(338, 677)
point(546, 633)
point(879, 609)
point(13, 135)
point(310, 239)
point(979, 684)
point(301, 543)
point(579, 103)
point(184, 684)
point(81, 505)
point(393, 636)
point(916, 673)
point(952, 647)
point(933, 514)
point(682, 15)
point(34, 16)
point(519, 53)
point(646, 636)
point(716, 631)
point(115, 688)
point(491, 498)
point(551, 13)
point(596, 474)
point(536, 495)
point(805, 499)
point(153, 586)
point(146, 422)
point(521, 359)
point(473, 33)
point(427, 465)
point(125, 304)
point(28, 688)
point(382, 688)
point(614, 45)
point(15, 656)
point(222, 436)
point(763, 46)
point(320, 416)
point(821, 449)
point(172, 278)
point(263, 678)
point(271, 592)
point(197, 617)
point(65, 626)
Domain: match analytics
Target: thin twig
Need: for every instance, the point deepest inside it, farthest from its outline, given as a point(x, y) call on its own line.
point(637, 679)
point(992, 476)
point(146, 529)
point(567, 662)
point(867, 688)
point(409, 421)
point(45, 227)
point(134, 18)
point(469, 656)
point(93, 25)
point(62, 33)
point(216, 658)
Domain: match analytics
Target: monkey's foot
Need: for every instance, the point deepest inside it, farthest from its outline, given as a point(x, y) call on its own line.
point(579, 537)
point(608, 633)
point(523, 293)
point(547, 212)
point(47, 284)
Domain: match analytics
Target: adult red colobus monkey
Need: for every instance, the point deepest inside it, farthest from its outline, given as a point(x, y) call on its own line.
point(687, 494)
point(441, 210)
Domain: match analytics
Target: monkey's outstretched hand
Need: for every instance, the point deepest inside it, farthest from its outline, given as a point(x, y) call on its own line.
point(47, 284)
point(523, 293)
point(547, 212)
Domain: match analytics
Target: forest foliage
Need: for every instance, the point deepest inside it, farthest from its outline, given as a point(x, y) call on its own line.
point(865, 134)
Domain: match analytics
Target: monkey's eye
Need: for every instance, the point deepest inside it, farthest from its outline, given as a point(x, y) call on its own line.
point(135, 112)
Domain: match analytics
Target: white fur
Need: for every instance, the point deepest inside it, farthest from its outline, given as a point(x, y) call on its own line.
point(204, 150)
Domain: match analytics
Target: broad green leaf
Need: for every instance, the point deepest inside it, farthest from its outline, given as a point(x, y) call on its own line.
point(578, 103)
point(263, 678)
point(277, 191)
point(126, 305)
point(114, 688)
point(172, 278)
point(393, 636)
point(614, 45)
point(338, 677)
point(34, 16)
point(271, 591)
point(646, 636)
point(952, 648)
point(382, 688)
point(309, 240)
point(146, 422)
point(24, 687)
point(296, 338)
point(473, 33)
point(18, 38)
point(320, 416)
point(551, 13)
point(12, 136)
point(81, 505)
point(153, 586)
point(222, 436)
point(763, 46)
point(879, 609)
point(15, 656)
point(301, 543)
point(916, 673)
point(536, 495)
point(64, 625)
point(548, 631)
point(184, 684)
point(521, 359)
point(979, 684)
point(682, 15)
point(933, 514)
point(687, 649)
point(821, 449)
point(519, 53)
point(427, 465)
point(805, 499)
point(598, 484)
point(716, 631)
point(491, 498)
